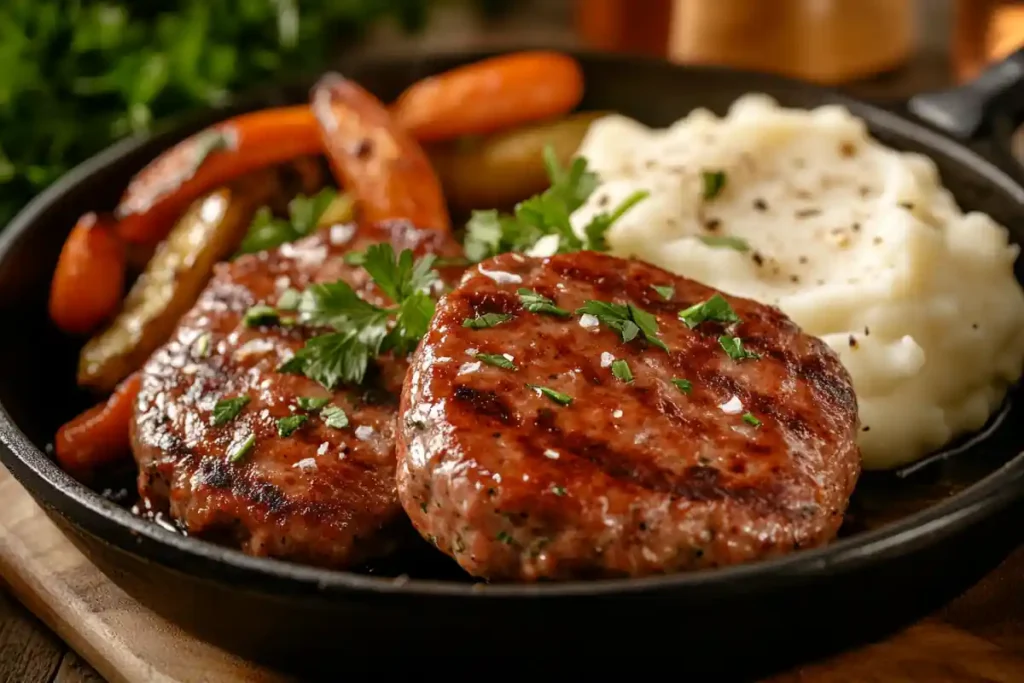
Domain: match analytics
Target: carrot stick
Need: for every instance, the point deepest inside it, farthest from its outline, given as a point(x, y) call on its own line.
point(100, 435)
point(382, 166)
point(489, 95)
point(89, 279)
point(163, 190)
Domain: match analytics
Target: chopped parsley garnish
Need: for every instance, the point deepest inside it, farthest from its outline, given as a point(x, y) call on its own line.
point(260, 314)
point(289, 300)
point(335, 417)
point(714, 183)
point(362, 330)
point(242, 448)
point(286, 426)
point(489, 232)
point(202, 345)
point(666, 291)
point(558, 490)
point(305, 214)
point(486, 320)
point(620, 369)
point(683, 385)
point(505, 537)
point(751, 420)
point(737, 243)
point(496, 360)
point(535, 303)
point(310, 403)
point(227, 409)
point(716, 309)
point(734, 347)
point(555, 396)
point(627, 320)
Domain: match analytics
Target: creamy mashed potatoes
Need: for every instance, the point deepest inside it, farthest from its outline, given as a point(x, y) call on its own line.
point(858, 243)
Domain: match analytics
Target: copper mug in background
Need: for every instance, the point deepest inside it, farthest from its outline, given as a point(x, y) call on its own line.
point(984, 31)
point(826, 41)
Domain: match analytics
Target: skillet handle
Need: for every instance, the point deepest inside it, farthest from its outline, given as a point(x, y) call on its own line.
point(968, 111)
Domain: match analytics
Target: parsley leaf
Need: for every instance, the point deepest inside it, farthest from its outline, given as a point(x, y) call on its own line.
point(289, 300)
point(750, 419)
point(331, 359)
point(286, 426)
point(716, 309)
point(490, 232)
point(734, 347)
point(363, 330)
point(486, 320)
point(202, 345)
point(334, 417)
point(496, 360)
point(666, 291)
point(556, 396)
point(535, 303)
point(628, 320)
point(400, 277)
point(621, 371)
point(227, 409)
point(305, 214)
point(260, 314)
point(240, 449)
point(714, 183)
point(310, 403)
point(599, 225)
point(683, 385)
point(737, 243)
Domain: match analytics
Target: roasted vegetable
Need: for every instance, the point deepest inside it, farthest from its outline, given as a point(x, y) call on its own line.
point(209, 231)
point(384, 169)
point(159, 194)
point(100, 435)
point(89, 278)
point(490, 95)
point(500, 169)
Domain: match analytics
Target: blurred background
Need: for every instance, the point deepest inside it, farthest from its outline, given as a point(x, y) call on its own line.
point(76, 75)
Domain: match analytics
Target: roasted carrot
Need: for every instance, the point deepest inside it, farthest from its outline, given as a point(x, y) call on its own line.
point(100, 435)
point(490, 95)
point(89, 280)
point(161, 192)
point(378, 163)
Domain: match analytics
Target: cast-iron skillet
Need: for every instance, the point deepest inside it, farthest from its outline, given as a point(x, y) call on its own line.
point(913, 539)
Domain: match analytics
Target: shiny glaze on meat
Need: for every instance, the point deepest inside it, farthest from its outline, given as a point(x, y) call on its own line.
point(630, 479)
point(322, 496)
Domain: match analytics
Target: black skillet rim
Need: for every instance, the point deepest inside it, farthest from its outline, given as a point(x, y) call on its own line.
point(103, 519)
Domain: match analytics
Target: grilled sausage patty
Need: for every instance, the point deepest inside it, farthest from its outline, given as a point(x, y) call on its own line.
point(630, 478)
point(321, 495)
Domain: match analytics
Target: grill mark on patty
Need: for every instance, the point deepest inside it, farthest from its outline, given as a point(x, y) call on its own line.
point(697, 483)
point(485, 403)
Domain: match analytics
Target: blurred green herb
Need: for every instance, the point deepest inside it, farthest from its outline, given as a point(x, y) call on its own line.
point(79, 74)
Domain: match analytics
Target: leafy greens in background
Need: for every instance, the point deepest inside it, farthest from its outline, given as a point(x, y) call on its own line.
point(78, 74)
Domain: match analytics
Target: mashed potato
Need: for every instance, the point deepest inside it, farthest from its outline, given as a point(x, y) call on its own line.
point(859, 244)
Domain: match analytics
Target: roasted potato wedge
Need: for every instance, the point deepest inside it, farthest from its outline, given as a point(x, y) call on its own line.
point(209, 231)
point(498, 170)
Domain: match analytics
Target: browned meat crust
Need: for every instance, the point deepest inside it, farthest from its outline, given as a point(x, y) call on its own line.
point(322, 495)
point(630, 479)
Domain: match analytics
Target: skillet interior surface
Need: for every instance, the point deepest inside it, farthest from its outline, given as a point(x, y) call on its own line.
point(894, 516)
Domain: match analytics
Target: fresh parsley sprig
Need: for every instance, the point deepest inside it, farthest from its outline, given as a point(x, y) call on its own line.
point(305, 214)
point(628, 320)
point(490, 232)
point(363, 331)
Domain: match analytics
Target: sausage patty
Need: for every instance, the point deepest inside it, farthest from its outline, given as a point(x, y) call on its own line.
point(321, 495)
point(567, 467)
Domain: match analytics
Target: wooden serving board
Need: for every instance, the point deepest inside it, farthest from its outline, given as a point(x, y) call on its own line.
point(980, 637)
